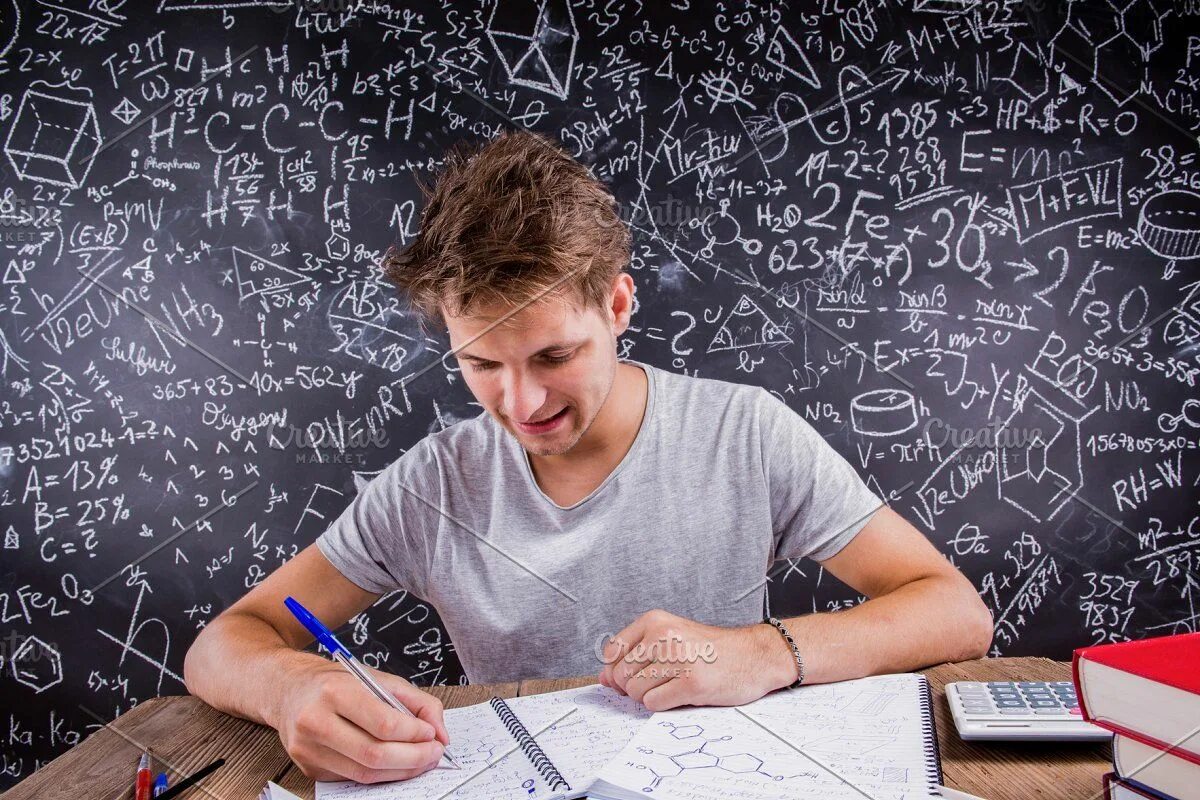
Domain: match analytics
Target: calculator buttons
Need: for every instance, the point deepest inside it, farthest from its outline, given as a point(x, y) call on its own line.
point(1018, 698)
point(1019, 711)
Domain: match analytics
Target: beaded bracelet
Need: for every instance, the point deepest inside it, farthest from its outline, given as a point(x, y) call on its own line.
point(795, 650)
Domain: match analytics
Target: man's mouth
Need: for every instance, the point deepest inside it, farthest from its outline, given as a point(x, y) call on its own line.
point(545, 425)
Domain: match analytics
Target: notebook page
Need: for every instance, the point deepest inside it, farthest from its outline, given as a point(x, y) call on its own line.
point(601, 722)
point(273, 791)
point(494, 768)
point(837, 741)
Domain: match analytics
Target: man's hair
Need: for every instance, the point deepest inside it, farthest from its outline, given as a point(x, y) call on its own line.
point(508, 222)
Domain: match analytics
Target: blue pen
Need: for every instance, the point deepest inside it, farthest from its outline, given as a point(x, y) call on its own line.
point(343, 656)
point(160, 784)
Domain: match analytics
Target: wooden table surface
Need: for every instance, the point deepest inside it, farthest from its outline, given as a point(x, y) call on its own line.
point(186, 734)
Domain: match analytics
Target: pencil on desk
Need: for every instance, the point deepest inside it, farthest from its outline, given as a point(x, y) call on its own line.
point(191, 780)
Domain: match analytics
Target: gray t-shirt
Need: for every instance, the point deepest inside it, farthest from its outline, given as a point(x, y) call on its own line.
point(721, 480)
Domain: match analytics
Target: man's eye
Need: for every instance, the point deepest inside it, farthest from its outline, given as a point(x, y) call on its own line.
point(559, 359)
point(482, 366)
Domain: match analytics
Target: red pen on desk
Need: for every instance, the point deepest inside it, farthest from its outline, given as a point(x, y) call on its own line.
point(141, 788)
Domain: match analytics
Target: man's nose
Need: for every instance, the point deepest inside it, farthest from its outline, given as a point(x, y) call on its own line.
point(524, 396)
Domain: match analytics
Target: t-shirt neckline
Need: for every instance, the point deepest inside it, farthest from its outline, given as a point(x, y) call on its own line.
point(647, 417)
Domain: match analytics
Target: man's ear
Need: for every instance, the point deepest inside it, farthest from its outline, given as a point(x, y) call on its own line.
point(621, 303)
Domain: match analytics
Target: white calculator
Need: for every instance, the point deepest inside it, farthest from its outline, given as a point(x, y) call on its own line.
point(1020, 711)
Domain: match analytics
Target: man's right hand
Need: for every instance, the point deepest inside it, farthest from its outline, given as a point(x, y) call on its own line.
point(334, 728)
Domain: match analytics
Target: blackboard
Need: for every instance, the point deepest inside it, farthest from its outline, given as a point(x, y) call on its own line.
point(960, 238)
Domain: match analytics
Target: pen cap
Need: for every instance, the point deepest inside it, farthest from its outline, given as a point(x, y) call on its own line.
point(322, 634)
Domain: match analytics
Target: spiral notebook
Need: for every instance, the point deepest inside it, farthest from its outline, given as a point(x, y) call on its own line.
point(872, 736)
point(534, 747)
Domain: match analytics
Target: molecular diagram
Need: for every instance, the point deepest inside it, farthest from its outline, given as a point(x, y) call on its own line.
point(698, 755)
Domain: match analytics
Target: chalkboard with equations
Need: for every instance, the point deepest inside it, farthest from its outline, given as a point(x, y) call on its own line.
point(960, 238)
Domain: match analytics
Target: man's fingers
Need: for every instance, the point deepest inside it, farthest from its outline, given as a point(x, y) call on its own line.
point(623, 640)
point(424, 705)
point(630, 657)
point(385, 723)
point(645, 680)
point(433, 716)
point(370, 751)
point(608, 680)
point(334, 765)
point(667, 695)
point(622, 671)
point(639, 658)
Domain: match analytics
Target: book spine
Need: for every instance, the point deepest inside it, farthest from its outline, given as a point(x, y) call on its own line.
point(529, 746)
point(1076, 678)
point(1149, 741)
point(933, 753)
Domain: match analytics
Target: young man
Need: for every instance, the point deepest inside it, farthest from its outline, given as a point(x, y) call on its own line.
point(600, 514)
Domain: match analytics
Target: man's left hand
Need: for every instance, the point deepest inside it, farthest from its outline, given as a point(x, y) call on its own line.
point(663, 661)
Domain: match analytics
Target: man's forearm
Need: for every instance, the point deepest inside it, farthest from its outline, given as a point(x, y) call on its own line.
point(928, 621)
point(239, 664)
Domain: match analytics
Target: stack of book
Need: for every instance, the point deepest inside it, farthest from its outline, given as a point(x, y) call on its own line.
point(1147, 693)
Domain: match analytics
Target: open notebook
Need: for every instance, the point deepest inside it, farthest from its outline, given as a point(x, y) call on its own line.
point(531, 748)
point(873, 736)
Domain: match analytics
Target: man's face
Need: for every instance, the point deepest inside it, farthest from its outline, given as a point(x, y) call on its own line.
point(543, 373)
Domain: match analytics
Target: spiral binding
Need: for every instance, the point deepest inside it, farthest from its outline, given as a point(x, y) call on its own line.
point(933, 754)
point(529, 746)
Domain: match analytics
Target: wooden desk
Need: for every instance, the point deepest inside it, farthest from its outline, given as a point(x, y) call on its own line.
point(187, 734)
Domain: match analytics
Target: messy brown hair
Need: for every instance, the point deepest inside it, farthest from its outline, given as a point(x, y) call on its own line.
point(508, 222)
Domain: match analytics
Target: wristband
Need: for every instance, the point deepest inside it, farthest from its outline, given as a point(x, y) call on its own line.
point(795, 650)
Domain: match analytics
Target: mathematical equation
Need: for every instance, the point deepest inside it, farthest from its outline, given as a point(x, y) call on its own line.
point(960, 238)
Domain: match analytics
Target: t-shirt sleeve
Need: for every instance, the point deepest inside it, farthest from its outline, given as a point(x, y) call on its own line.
point(818, 502)
point(381, 541)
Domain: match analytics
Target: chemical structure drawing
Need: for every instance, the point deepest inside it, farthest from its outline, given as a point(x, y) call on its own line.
point(697, 751)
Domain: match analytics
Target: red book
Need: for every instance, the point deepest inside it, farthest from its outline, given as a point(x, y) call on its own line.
point(1147, 690)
